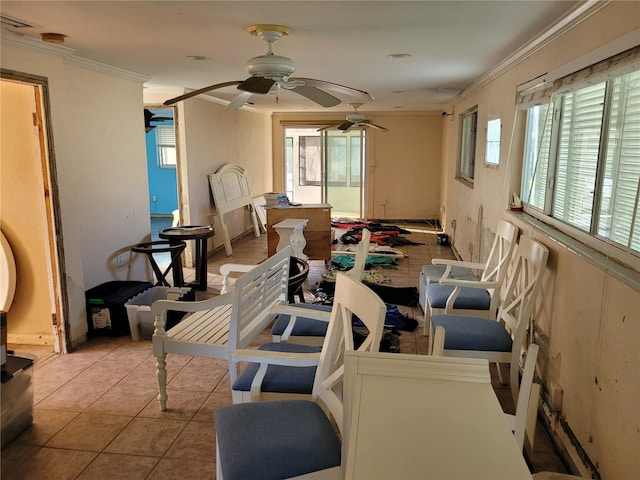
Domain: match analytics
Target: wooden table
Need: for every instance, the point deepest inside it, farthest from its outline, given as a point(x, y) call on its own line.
point(317, 232)
point(423, 417)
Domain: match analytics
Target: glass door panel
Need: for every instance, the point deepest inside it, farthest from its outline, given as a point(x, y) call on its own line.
point(325, 167)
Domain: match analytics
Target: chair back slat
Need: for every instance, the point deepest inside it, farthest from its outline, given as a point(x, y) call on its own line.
point(351, 298)
point(520, 296)
point(254, 294)
point(499, 258)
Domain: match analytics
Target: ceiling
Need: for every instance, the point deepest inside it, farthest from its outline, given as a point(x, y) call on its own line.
point(451, 43)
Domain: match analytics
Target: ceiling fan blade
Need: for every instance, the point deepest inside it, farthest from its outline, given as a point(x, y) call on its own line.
point(328, 127)
point(239, 101)
point(335, 87)
point(346, 126)
point(256, 84)
point(316, 95)
point(171, 101)
point(373, 125)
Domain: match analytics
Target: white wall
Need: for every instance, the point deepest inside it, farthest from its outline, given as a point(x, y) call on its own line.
point(98, 136)
point(588, 324)
point(412, 144)
point(212, 136)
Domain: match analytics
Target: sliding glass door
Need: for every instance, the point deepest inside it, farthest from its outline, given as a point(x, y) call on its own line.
point(326, 167)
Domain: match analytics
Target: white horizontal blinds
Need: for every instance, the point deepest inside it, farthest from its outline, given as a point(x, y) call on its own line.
point(621, 172)
point(165, 135)
point(537, 147)
point(577, 157)
point(166, 142)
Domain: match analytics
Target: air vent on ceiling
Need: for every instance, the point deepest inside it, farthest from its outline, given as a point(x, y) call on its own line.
point(8, 21)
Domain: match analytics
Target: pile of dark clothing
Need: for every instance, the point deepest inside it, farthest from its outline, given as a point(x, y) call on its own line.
point(407, 296)
point(394, 322)
point(380, 234)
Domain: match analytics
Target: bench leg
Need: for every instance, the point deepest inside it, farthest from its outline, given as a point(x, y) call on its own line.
point(161, 373)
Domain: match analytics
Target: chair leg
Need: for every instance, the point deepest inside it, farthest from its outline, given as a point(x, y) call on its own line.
point(500, 374)
point(161, 373)
point(427, 321)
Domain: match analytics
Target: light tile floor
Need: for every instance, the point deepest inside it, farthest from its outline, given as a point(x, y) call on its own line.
point(96, 415)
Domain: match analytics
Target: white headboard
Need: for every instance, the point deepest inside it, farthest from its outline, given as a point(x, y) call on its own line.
point(230, 189)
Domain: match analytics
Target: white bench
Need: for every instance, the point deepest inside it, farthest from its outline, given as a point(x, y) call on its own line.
point(220, 325)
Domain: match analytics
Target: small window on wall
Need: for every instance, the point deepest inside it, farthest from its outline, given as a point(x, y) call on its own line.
point(492, 155)
point(467, 161)
point(166, 142)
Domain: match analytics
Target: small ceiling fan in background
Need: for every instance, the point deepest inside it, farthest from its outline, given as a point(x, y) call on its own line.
point(354, 120)
point(270, 73)
point(149, 117)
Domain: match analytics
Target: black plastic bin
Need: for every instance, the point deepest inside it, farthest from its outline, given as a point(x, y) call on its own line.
point(106, 311)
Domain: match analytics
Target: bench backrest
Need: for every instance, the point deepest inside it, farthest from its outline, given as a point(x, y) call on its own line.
point(254, 294)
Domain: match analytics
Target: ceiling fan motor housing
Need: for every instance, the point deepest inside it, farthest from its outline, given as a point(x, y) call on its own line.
point(355, 117)
point(271, 66)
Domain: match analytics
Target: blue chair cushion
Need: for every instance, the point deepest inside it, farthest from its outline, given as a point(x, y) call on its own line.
point(280, 378)
point(433, 273)
point(304, 327)
point(464, 332)
point(468, 298)
point(275, 440)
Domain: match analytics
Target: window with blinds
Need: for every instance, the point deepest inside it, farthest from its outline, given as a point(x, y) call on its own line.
point(166, 143)
point(581, 163)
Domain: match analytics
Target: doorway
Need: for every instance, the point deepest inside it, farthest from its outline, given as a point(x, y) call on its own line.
point(162, 171)
point(326, 167)
point(30, 214)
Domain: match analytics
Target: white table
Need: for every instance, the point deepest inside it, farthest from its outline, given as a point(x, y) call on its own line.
point(291, 233)
point(420, 417)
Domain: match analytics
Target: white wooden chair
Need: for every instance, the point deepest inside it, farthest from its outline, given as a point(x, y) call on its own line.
point(309, 331)
point(499, 340)
point(524, 421)
point(285, 370)
point(292, 438)
point(420, 416)
point(218, 326)
point(450, 286)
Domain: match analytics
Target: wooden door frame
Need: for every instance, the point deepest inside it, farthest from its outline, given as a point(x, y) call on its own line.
point(51, 198)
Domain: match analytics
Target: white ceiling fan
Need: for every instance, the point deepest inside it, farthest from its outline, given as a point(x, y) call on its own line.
point(354, 120)
point(270, 73)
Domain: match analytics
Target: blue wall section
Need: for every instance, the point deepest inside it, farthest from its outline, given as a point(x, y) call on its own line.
point(163, 186)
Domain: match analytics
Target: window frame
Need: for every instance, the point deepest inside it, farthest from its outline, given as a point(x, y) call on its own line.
point(491, 142)
point(468, 141)
point(594, 235)
point(167, 151)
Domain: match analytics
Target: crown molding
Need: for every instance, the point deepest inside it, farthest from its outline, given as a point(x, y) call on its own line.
point(67, 54)
point(571, 20)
